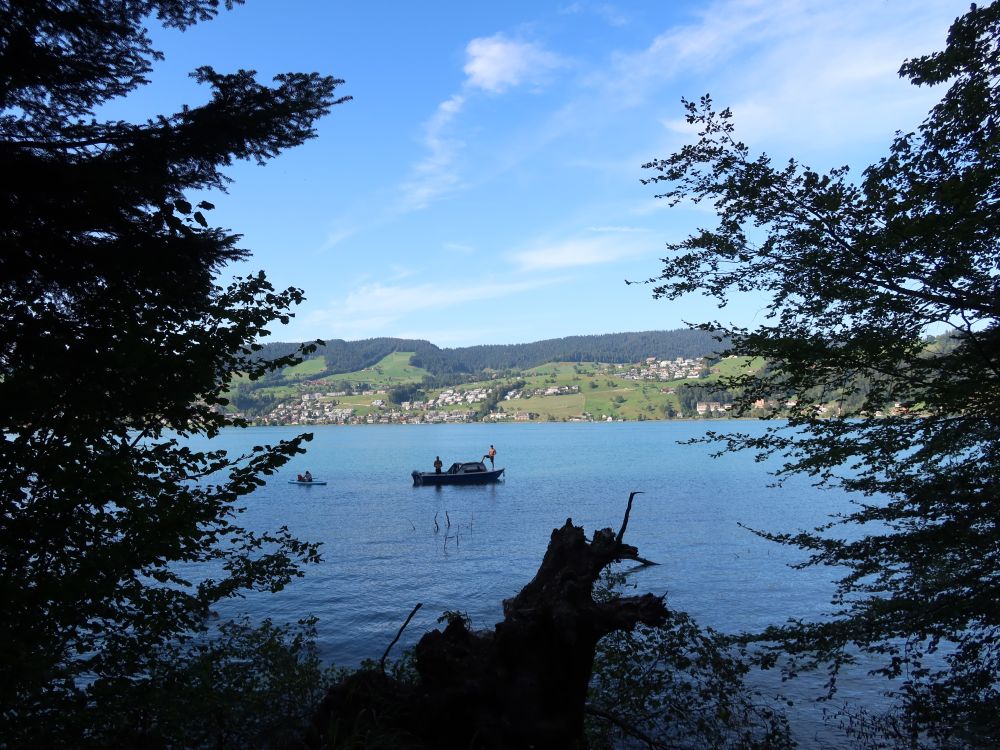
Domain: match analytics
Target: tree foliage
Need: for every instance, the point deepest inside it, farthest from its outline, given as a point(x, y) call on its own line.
point(688, 396)
point(240, 686)
point(857, 274)
point(676, 685)
point(116, 344)
point(608, 347)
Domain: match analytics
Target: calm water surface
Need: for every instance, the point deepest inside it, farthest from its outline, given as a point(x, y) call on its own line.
point(382, 553)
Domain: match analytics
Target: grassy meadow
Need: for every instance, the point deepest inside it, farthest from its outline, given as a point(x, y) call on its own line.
point(602, 392)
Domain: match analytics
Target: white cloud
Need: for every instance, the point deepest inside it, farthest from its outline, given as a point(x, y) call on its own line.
point(398, 272)
point(337, 235)
point(797, 72)
point(681, 126)
point(372, 309)
point(575, 252)
point(612, 15)
point(497, 63)
point(436, 174)
point(493, 64)
point(832, 78)
point(617, 229)
point(398, 300)
point(685, 205)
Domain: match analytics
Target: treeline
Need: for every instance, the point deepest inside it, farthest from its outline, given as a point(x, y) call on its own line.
point(608, 347)
point(451, 365)
point(351, 356)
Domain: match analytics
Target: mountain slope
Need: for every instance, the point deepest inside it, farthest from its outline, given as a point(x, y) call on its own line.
point(349, 356)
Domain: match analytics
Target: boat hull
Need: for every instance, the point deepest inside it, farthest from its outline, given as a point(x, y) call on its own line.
point(306, 484)
point(430, 478)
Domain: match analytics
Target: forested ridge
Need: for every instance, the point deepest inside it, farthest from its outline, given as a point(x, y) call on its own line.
point(351, 356)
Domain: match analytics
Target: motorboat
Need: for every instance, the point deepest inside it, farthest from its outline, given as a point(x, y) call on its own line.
point(469, 472)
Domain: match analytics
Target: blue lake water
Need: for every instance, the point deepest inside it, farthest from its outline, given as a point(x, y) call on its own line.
point(382, 553)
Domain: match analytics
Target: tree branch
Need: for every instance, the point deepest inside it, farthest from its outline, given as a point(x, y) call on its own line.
point(626, 727)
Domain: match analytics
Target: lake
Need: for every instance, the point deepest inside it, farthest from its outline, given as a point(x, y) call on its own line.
point(383, 553)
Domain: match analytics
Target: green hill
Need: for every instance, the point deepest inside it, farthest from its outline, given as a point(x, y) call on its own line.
point(342, 357)
point(395, 389)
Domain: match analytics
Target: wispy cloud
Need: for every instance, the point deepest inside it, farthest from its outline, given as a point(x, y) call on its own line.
point(436, 173)
point(817, 87)
point(611, 14)
point(399, 300)
point(634, 75)
point(460, 248)
point(336, 235)
point(802, 66)
point(496, 63)
point(575, 252)
point(373, 309)
point(398, 272)
point(617, 229)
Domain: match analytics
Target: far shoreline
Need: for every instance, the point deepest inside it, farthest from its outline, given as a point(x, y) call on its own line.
point(528, 422)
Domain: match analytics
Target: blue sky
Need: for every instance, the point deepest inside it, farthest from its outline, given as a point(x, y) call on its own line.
point(483, 187)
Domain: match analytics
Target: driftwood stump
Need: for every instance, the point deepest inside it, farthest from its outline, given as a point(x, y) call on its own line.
point(522, 685)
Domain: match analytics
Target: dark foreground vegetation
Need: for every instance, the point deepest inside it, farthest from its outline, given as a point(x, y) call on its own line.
point(116, 339)
point(116, 342)
point(858, 273)
point(528, 681)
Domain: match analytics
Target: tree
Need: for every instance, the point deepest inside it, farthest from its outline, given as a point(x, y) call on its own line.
point(857, 274)
point(117, 343)
point(405, 392)
point(675, 685)
point(522, 684)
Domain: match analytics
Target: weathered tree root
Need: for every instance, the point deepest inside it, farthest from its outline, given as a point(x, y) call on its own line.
point(522, 685)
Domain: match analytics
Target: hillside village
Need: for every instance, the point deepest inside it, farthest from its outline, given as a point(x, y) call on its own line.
point(675, 369)
point(316, 408)
point(395, 391)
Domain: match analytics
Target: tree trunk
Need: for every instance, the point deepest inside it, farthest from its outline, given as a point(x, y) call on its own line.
point(522, 685)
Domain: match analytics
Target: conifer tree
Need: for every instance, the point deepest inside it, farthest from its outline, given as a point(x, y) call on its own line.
point(117, 342)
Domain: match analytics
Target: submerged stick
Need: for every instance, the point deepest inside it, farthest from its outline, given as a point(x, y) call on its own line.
point(381, 662)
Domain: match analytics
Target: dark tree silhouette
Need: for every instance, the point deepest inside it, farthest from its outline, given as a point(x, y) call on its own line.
point(858, 274)
point(116, 343)
point(523, 684)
